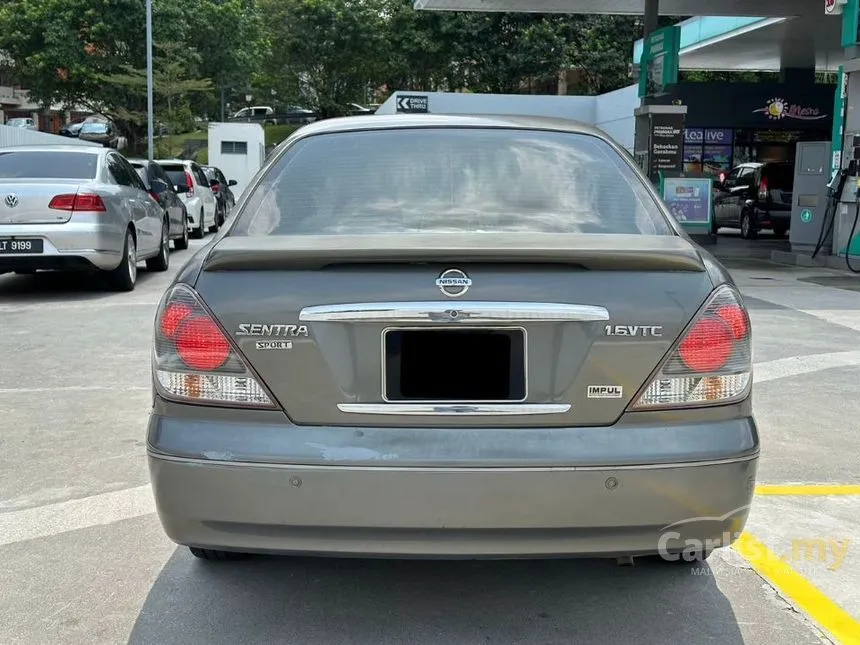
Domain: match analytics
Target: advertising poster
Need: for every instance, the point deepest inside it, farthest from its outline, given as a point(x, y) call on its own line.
point(689, 199)
point(694, 136)
point(692, 158)
point(718, 137)
point(716, 159)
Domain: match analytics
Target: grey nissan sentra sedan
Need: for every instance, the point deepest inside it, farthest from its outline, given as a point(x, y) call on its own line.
point(439, 336)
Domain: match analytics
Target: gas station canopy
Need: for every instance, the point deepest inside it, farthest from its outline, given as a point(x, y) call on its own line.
point(765, 8)
point(758, 44)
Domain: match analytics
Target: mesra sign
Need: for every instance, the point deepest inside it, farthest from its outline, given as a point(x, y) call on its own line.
point(777, 109)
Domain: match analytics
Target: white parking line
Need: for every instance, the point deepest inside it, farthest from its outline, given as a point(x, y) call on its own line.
point(54, 306)
point(70, 388)
point(107, 508)
point(797, 365)
point(75, 514)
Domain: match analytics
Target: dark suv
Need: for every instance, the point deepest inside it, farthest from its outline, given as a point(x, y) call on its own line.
point(754, 196)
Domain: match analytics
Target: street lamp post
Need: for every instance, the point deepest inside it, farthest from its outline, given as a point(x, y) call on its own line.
point(150, 134)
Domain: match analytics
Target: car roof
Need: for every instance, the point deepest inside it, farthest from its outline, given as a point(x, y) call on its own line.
point(177, 162)
point(53, 147)
point(395, 121)
point(759, 164)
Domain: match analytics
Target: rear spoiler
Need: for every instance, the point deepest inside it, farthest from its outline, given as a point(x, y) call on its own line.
point(590, 252)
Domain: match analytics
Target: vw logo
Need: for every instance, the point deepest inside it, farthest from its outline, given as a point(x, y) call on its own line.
point(453, 283)
point(11, 201)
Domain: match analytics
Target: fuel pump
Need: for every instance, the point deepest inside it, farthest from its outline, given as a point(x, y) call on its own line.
point(846, 243)
point(853, 230)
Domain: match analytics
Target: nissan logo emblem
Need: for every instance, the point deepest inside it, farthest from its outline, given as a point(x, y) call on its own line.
point(453, 283)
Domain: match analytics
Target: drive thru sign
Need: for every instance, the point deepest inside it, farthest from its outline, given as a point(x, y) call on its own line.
point(412, 104)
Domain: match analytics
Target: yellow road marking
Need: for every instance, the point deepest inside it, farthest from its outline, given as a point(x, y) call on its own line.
point(789, 490)
point(806, 596)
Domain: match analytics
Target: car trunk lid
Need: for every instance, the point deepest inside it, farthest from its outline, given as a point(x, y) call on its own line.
point(28, 201)
point(346, 331)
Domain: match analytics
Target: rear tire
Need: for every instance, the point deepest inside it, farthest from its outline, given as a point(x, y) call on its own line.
point(748, 232)
point(161, 262)
point(124, 277)
point(198, 233)
point(215, 554)
point(181, 243)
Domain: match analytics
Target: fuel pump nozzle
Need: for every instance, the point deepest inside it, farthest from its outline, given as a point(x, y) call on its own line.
point(835, 188)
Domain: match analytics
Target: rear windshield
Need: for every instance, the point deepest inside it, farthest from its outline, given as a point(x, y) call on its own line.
point(177, 175)
point(94, 128)
point(779, 176)
point(48, 165)
point(451, 180)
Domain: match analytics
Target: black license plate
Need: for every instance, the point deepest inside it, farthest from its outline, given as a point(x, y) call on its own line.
point(463, 365)
point(10, 245)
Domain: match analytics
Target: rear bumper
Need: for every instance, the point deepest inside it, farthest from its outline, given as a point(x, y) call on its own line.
point(539, 499)
point(75, 245)
point(412, 512)
point(774, 218)
point(193, 209)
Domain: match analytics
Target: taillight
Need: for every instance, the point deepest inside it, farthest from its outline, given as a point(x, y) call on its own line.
point(763, 190)
point(190, 181)
point(216, 188)
point(154, 196)
point(78, 202)
point(193, 359)
point(711, 364)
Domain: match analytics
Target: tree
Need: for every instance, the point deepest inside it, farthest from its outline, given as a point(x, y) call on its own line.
point(64, 50)
point(231, 42)
point(172, 88)
point(331, 51)
point(505, 52)
point(420, 46)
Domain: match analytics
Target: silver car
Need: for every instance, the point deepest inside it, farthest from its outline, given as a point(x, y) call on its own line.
point(440, 336)
point(78, 208)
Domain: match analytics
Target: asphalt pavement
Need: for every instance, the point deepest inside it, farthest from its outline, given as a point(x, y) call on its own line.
point(83, 559)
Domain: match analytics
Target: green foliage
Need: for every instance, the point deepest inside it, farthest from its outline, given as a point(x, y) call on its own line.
point(172, 89)
point(64, 50)
point(277, 133)
point(321, 54)
point(330, 50)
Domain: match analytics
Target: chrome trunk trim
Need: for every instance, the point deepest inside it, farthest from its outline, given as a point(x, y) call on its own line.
point(449, 312)
point(455, 409)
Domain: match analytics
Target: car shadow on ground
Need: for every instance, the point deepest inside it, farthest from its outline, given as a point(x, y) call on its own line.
point(331, 601)
point(51, 286)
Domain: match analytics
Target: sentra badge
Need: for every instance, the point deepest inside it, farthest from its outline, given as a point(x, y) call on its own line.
point(258, 329)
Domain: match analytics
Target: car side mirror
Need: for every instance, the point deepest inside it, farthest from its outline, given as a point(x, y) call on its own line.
point(158, 185)
point(232, 182)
